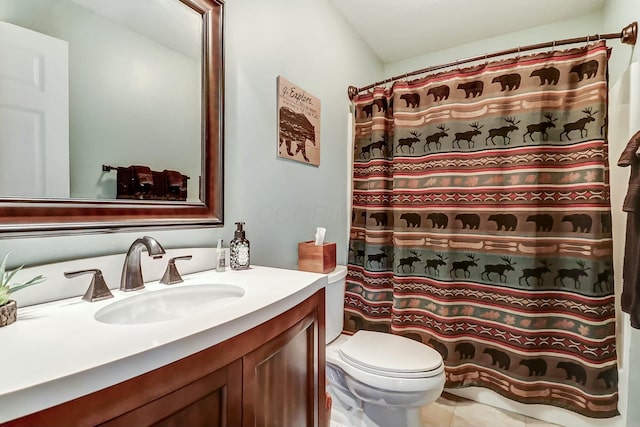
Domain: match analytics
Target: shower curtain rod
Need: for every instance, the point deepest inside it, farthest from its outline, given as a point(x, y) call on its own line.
point(628, 35)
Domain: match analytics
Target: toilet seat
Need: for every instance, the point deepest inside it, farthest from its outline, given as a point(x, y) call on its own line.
point(393, 355)
point(389, 362)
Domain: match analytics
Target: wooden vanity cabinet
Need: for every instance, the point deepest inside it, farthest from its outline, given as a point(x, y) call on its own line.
point(271, 375)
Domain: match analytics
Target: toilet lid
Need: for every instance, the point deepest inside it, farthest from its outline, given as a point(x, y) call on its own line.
point(378, 352)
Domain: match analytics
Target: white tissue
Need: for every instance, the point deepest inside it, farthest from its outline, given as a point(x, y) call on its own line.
point(320, 232)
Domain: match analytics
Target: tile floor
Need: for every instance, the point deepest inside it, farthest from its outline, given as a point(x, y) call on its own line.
point(453, 411)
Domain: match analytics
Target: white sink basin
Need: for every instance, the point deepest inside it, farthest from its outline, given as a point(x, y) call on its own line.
point(168, 304)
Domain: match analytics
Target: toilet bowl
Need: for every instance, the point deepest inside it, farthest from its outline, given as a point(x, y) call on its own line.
point(376, 379)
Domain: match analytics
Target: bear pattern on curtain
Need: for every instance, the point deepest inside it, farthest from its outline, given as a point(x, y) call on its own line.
point(481, 225)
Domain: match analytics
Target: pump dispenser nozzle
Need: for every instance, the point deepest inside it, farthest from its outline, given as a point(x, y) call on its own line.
point(239, 233)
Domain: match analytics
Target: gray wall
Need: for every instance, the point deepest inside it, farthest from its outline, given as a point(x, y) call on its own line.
point(281, 201)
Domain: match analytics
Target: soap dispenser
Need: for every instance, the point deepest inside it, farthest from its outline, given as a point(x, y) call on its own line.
point(239, 248)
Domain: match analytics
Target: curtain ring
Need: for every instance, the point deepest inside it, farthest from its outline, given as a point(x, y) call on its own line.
point(553, 46)
point(518, 54)
point(352, 92)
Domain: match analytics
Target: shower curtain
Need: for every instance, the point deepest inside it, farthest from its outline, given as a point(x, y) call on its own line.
point(481, 225)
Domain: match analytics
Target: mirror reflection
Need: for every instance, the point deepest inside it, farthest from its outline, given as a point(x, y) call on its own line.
point(100, 100)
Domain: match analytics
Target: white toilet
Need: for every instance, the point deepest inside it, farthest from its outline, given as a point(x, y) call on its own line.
point(376, 379)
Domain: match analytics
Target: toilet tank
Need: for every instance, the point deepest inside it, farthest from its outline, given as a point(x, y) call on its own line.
point(334, 302)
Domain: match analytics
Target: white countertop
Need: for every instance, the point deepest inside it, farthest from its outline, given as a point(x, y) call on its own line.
point(57, 351)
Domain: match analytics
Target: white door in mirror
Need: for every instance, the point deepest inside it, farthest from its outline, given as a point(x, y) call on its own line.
point(34, 112)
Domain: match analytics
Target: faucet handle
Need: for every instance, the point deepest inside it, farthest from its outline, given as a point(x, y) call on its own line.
point(171, 275)
point(98, 289)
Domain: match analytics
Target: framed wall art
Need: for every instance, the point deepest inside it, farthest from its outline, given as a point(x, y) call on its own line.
point(298, 123)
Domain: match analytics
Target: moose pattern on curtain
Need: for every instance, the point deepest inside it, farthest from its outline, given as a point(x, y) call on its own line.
point(481, 225)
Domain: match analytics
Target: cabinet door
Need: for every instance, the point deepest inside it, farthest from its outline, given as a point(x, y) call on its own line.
point(280, 379)
point(212, 401)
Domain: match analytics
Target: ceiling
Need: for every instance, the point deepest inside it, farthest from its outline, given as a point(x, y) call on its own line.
point(401, 29)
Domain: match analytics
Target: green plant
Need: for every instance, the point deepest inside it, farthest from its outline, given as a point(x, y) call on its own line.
point(5, 278)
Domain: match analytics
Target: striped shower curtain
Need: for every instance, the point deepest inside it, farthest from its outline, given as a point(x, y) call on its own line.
point(481, 225)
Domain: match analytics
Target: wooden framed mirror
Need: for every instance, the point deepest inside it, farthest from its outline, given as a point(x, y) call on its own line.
point(95, 206)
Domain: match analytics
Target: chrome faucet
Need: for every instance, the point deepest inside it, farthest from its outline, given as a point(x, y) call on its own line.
point(131, 279)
